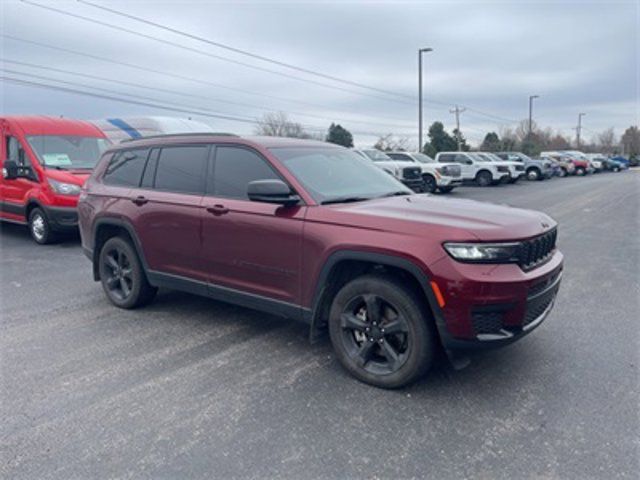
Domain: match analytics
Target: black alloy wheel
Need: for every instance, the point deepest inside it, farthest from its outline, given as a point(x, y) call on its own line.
point(430, 184)
point(122, 276)
point(381, 332)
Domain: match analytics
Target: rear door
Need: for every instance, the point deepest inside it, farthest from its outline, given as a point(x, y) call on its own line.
point(168, 212)
point(252, 247)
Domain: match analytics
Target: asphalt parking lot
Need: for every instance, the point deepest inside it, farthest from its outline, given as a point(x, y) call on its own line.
point(189, 387)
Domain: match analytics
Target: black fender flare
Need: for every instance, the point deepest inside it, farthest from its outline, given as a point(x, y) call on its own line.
point(380, 259)
point(120, 223)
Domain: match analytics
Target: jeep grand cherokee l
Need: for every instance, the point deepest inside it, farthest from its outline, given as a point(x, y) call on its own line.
point(314, 232)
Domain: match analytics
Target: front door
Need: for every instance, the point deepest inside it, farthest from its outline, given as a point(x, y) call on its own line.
point(251, 247)
point(13, 193)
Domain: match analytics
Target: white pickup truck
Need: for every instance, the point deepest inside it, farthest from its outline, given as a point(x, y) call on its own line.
point(475, 168)
point(407, 172)
point(436, 176)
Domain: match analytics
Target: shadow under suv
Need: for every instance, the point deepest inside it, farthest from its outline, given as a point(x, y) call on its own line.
point(312, 231)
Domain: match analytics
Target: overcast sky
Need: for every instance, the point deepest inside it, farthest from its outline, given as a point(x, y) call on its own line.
point(488, 57)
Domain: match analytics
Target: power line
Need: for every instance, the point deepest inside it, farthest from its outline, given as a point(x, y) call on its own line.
point(218, 57)
point(173, 92)
point(240, 51)
point(207, 54)
point(148, 102)
point(167, 74)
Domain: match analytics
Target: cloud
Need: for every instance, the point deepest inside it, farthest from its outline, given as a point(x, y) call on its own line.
point(489, 56)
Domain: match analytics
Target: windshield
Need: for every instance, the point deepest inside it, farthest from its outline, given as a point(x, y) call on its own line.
point(421, 157)
point(332, 174)
point(66, 151)
point(377, 155)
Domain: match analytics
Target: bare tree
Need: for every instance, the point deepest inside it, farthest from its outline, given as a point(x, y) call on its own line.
point(390, 142)
point(607, 140)
point(277, 124)
point(558, 142)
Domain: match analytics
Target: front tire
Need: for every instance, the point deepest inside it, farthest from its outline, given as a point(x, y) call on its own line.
point(484, 178)
point(123, 278)
point(40, 228)
point(430, 184)
point(533, 174)
point(380, 332)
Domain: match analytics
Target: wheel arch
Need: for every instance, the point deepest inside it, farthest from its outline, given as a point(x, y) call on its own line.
point(106, 228)
point(345, 265)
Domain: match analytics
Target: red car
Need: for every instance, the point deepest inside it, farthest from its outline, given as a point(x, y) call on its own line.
point(45, 161)
point(314, 232)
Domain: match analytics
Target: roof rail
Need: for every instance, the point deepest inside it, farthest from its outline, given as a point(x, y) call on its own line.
point(190, 134)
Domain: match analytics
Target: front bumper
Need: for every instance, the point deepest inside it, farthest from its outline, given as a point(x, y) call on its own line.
point(417, 185)
point(449, 181)
point(62, 218)
point(493, 305)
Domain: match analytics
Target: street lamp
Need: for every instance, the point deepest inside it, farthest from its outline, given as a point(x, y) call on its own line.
point(579, 129)
point(531, 114)
point(420, 52)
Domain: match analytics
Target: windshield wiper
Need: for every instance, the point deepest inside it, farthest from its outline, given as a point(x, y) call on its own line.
point(394, 194)
point(345, 199)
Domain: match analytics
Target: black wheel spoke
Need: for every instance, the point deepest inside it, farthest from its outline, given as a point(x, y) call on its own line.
point(391, 355)
point(125, 287)
point(374, 308)
point(364, 352)
point(113, 263)
point(397, 325)
point(351, 322)
point(122, 260)
point(112, 282)
point(126, 272)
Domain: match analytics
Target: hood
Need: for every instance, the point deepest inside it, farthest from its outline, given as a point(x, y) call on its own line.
point(447, 218)
point(75, 177)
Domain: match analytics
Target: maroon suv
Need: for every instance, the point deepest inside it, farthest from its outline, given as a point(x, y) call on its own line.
point(312, 231)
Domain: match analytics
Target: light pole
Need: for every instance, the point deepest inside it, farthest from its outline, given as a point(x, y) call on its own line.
point(531, 98)
point(420, 52)
point(578, 130)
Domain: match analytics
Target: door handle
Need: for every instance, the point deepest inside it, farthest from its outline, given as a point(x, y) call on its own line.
point(140, 200)
point(218, 210)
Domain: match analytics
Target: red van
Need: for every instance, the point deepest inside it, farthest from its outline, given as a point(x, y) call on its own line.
point(45, 161)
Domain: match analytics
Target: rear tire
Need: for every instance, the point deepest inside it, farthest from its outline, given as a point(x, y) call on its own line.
point(484, 178)
point(123, 278)
point(40, 228)
point(381, 332)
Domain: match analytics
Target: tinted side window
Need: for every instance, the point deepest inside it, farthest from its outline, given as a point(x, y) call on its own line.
point(447, 157)
point(462, 159)
point(400, 156)
point(125, 168)
point(235, 168)
point(182, 169)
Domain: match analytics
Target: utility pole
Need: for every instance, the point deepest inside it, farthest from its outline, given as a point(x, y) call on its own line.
point(420, 52)
point(579, 129)
point(531, 98)
point(458, 111)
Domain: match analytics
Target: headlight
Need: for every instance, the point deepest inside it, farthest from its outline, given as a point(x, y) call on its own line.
point(64, 188)
point(484, 252)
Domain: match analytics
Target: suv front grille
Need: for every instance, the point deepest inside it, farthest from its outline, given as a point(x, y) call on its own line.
point(411, 173)
point(487, 322)
point(535, 251)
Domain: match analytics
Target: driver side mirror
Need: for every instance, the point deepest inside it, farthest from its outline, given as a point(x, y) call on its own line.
point(10, 170)
point(272, 191)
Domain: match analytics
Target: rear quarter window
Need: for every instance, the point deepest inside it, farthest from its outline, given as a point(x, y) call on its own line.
point(125, 168)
